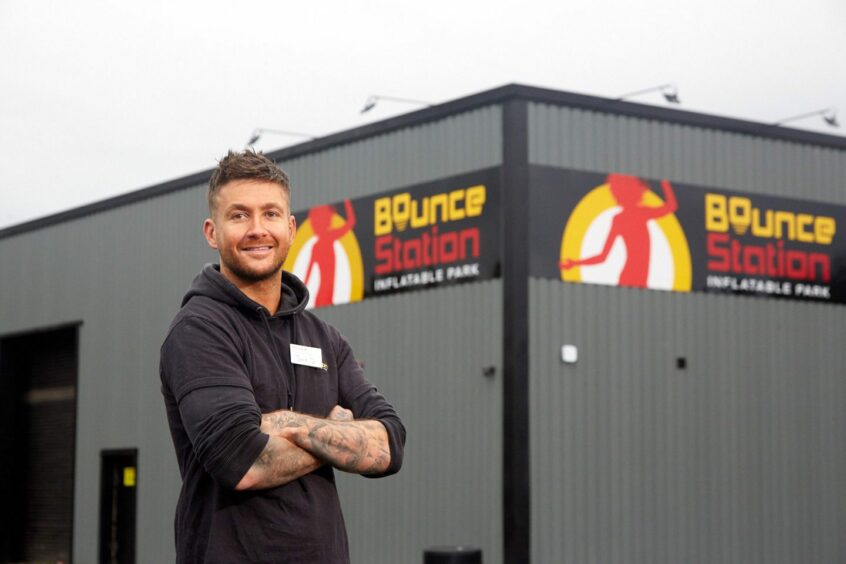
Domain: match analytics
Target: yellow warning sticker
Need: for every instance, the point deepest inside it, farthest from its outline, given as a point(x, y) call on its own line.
point(129, 476)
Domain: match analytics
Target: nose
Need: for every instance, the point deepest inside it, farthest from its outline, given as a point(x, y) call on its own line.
point(257, 228)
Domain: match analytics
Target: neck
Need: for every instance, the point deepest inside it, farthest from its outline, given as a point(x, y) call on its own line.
point(267, 292)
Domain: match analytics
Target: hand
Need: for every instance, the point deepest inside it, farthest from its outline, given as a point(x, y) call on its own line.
point(338, 413)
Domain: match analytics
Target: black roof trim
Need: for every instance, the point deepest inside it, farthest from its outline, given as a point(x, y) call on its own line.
point(440, 111)
point(109, 203)
point(678, 116)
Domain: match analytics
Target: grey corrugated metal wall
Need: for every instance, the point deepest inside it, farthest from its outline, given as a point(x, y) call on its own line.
point(457, 144)
point(428, 353)
point(122, 273)
point(738, 458)
point(593, 141)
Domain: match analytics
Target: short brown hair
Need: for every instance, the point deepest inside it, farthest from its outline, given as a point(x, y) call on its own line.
point(249, 165)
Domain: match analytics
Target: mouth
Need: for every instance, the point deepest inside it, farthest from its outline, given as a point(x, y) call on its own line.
point(257, 250)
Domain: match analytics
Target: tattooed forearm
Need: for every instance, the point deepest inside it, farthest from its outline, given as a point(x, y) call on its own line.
point(274, 423)
point(280, 462)
point(342, 443)
point(353, 446)
point(300, 444)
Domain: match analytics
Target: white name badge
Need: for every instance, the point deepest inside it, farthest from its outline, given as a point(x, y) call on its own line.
point(306, 356)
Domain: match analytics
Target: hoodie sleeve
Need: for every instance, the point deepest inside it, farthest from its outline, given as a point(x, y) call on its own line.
point(364, 400)
point(203, 370)
point(222, 423)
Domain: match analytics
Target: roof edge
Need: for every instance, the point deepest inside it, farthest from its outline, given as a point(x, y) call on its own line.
point(447, 109)
point(107, 204)
point(679, 116)
point(382, 127)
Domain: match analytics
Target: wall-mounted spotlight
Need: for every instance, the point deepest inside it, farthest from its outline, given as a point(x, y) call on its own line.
point(257, 133)
point(829, 116)
point(373, 100)
point(669, 91)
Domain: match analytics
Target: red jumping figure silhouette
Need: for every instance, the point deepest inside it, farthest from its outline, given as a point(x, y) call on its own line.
point(323, 251)
point(630, 224)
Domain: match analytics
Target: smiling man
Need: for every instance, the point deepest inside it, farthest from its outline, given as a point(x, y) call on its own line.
point(263, 399)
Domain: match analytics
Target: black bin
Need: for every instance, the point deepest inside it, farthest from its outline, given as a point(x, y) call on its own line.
point(452, 555)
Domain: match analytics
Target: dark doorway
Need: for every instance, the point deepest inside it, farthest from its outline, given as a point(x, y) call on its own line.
point(38, 377)
point(118, 481)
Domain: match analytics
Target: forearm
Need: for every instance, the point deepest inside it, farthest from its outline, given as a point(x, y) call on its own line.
point(280, 462)
point(590, 260)
point(360, 447)
point(669, 196)
point(353, 446)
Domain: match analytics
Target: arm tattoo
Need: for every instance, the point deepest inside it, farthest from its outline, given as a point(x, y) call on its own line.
point(353, 446)
point(281, 462)
point(340, 442)
point(274, 423)
point(266, 458)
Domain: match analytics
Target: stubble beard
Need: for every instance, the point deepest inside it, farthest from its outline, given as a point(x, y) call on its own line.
point(252, 275)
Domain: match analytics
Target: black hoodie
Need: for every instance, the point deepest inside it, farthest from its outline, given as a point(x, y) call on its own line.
point(224, 362)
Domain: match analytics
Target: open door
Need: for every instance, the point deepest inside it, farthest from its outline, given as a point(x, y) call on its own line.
point(38, 375)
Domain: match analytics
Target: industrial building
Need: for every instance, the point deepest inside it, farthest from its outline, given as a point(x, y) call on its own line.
point(612, 331)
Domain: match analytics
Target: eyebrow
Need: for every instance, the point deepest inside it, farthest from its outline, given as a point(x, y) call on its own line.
point(237, 206)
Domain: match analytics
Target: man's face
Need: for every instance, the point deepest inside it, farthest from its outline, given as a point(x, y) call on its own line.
point(252, 228)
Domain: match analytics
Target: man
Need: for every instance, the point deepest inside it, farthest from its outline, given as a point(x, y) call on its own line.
point(264, 399)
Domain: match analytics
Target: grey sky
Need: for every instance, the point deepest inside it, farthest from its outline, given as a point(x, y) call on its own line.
point(101, 98)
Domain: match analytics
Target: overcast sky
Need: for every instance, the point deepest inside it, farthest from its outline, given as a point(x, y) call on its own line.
point(99, 98)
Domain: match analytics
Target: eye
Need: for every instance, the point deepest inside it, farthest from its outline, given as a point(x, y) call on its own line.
point(238, 215)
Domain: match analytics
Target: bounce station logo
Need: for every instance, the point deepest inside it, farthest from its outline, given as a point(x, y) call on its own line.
point(424, 241)
point(423, 236)
point(767, 249)
point(624, 230)
point(326, 256)
point(623, 233)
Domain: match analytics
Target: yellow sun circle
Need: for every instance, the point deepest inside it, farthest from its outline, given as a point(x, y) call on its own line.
point(600, 200)
point(348, 242)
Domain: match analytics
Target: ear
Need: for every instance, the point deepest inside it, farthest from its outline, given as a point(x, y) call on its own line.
point(208, 231)
point(292, 226)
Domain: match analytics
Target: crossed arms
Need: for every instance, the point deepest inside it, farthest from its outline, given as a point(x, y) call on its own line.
point(300, 444)
point(216, 420)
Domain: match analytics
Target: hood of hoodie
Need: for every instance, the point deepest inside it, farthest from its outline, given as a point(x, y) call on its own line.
point(212, 284)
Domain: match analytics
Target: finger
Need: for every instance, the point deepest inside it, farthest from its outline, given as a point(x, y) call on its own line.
point(342, 414)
